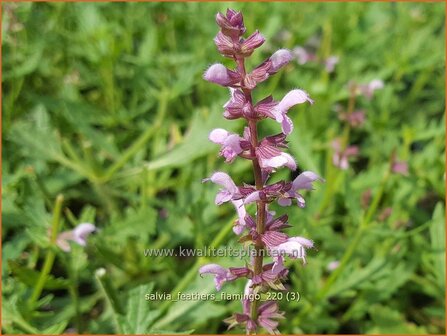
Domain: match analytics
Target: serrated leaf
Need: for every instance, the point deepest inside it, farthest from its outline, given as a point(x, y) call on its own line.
point(30, 277)
point(139, 315)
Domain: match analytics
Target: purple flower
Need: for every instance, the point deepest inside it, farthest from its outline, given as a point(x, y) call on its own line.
point(276, 224)
point(273, 238)
point(268, 313)
point(225, 44)
point(270, 157)
point(294, 247)
point(257, 75)
point(219, 74)
point(221, 274)
point(231, 24)
point(269, 67)
point(238, 106)
point(279, 59)
point(271, 276)
point(368, 89)
point(78, 235)
point(291, 99)
point(266, 155)
point(242, 213)
point(398, 167)
point(333, 265)
point(330, 63)
point(284, 192)
point(244, 319)
point(232, 144)
point(229, 191)
point(252, 42)
point(340, 156)
point(355, 119)
point(302, 55)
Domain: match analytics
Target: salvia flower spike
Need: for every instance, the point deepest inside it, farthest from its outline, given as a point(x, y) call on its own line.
point(262, 230)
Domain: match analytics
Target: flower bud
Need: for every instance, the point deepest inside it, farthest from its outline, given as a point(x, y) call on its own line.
point(279, 59)
point(231, 24)
point(254, 41)
point(219, 74)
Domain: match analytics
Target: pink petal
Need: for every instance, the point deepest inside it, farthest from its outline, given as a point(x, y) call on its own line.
point(218, 136)
point(274, 162)
point(240, 209)
point(234, 142)
point(81, 232)
point(219, 74)
point(253, 197)
point(224, 180)
point(223, 196)
point(293, 98)
point(287, 125)
point(304, 180)
point(278, 265)
point(279, 59)
point(291, 164)
point(303, 241)
point(212, 269)
point(284, 201)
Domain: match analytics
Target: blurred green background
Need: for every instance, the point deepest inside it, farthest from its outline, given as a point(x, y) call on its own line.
point(104, 104)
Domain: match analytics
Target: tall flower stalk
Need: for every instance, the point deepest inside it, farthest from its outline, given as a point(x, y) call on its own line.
point(262, 231)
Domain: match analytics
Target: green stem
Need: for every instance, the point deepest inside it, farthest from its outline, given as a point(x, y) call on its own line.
point(111, 296)
point(49, 259)
point(260, 205)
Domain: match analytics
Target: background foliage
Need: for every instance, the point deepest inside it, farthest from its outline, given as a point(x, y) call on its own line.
point(104, 104)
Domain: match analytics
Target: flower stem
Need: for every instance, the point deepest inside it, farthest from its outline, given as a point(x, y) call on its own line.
point(49, 259)
point(260, 217)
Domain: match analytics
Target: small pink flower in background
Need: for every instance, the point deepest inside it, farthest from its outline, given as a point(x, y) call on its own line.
point(333, 265)
point(330, 63)
point(341, 157)
point(365, 199)
point(385, 214)
point(78, 235)
point(399, 167)
point(355, 119)
point(368, 89)
point(302, 55)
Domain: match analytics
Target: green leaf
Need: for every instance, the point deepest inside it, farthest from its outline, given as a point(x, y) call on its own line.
point(196, 142)
point(437, 237)
point(385, 320)
point(139, 315)
point(29, 277)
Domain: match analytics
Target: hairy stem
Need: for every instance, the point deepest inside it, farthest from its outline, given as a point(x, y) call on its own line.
point(260, 205)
